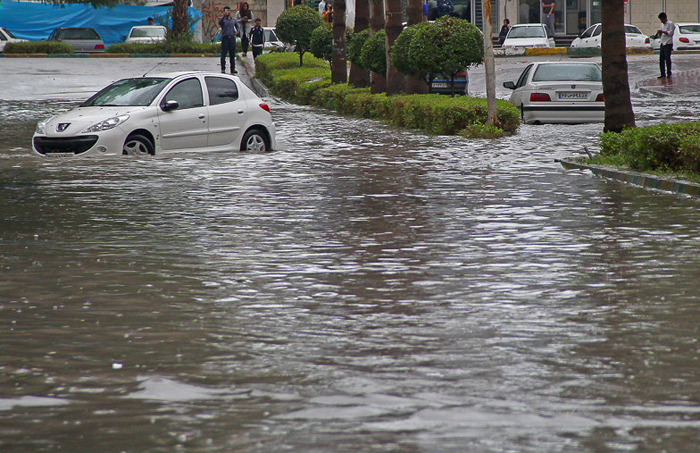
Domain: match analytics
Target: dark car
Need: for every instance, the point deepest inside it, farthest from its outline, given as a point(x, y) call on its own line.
point(442, 84)
point(81, 39)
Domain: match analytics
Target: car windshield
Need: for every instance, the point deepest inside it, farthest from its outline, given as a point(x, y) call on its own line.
point(567, 73)
point(139, 92)
point(631, 29)
point(77, 33)
point(9, 33)
point(687, 29)
point(526, 32)
point(270, 36)
point(156, 32)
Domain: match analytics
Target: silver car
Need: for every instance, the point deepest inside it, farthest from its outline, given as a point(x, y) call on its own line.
point(82, 40)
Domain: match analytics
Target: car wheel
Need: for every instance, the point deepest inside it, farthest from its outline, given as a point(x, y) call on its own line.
point(254, 141)
point(138, 145)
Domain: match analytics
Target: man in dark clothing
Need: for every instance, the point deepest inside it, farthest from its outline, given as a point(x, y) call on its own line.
point(229, 31)
point(257, 38)
point(666, 32)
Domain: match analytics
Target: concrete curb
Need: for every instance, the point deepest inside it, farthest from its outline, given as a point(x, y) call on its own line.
point(107, 55)
point(636, 179)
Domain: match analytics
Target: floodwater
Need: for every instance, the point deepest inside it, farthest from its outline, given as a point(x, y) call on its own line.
point(364, 289)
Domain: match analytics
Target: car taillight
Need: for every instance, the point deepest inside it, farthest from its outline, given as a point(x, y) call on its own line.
point(600, 98)
point(265, 107)
point(647, 41)
point(539, 97)
point(684, 40)
point(461, 74)
point(99, 46)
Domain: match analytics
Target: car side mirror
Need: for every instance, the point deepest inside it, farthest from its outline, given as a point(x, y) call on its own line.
point(171, 105)
point(510, 85)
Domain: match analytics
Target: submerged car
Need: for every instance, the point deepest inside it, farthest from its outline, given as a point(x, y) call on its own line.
point(82, 40)
point(7, 36)
point(592, 36)
point(146, 34)
point(686, 37)
point(528, 35)
point(442, 84)
point(154, 114)
point(559, 92)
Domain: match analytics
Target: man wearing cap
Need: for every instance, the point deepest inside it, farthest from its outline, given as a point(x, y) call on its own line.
point(229, 31)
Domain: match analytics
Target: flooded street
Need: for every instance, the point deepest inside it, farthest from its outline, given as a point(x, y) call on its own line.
point(363, 289)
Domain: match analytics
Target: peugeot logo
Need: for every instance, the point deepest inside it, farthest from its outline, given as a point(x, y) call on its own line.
point(62, 127)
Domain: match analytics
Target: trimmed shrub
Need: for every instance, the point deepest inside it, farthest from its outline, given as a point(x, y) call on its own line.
point(354, 47)
point(166, 47)
point(322, 43)
point(47, 47)
point(373, 54)
point(295, 26)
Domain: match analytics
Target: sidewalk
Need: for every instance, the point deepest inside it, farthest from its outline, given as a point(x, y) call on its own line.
point(681, 83)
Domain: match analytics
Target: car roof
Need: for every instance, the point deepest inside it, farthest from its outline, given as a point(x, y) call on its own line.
point(527, 25)
point(180, 74)
point(147, 26)
point(74, 28)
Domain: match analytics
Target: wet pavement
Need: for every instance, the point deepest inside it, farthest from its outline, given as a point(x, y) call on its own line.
point(364, 289)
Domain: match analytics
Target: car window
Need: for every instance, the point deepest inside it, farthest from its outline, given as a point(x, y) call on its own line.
point(523, 77)
point(140, 91)
point(567, 73)
point(187, 93)
point(77, 33)
point(686, 29)
point(526, 32)
point(631, 29)
point(270, 36)
point(147, 33)
point(598, 30)
point(221, 90)
point(2, 36)
point(588, 32)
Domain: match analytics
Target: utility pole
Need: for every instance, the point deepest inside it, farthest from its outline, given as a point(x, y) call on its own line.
point(489, 65)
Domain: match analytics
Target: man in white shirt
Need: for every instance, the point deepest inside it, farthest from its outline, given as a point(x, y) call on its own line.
point(666, 33)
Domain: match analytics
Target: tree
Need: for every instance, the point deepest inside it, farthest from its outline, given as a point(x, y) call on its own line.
point(339, 65)
point(374, 53)
point(414, 16)
point(355, 50)
point(616, 89)
point(295, 26)
point(359, 77)
point(395, 80)
point(401, 56)
point(321, 45)
point(376, 23)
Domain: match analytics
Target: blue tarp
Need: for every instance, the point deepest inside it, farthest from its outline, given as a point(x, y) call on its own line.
point(35, 21)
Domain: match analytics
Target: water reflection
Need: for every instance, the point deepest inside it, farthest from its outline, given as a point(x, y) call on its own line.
point(365, 289)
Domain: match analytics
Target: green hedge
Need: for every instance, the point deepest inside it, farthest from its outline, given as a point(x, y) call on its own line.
point(48, 47)
point(662, 148)
point(432, 113)
point(166, 47)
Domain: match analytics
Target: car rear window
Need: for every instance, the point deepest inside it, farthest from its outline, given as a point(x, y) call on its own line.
point(148, 33)
point(77, 33)
point(526, 32)
point(632, 30)
point(567, 73)
point(686, 29)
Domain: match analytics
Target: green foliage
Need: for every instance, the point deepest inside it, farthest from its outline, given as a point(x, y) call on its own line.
point(401, 56)
point(322, 43)
point(663, 147)
point(433, 113)
point(179, 46)
point(354, 47)
point(373, 54)
point(446, 46)
point(47, 47)
point(296, 25)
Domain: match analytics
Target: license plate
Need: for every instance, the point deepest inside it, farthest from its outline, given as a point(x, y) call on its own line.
point(573, 96)
point(439, 85)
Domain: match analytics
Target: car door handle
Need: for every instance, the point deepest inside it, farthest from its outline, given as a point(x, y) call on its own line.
point(241, 111)
point(201, 116)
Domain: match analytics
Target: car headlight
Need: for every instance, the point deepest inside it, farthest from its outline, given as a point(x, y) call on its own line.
point(107, 124)
point(41, 125)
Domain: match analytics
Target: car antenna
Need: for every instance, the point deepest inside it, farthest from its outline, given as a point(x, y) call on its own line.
point(158, 64)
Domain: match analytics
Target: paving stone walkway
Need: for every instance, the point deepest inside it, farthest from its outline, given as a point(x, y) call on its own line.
point(686, 82)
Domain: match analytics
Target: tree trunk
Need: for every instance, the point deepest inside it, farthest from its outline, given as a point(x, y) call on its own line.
point(376, 23)
point(395, 80)
point(489, 66)
point(616, 88)
point(360, 77)
point(339, 65)
point(414, 13)
point(179, 12)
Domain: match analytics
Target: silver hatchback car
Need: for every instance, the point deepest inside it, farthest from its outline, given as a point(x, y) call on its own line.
point(81, 39)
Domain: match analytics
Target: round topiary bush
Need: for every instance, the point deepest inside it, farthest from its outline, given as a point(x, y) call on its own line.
point(296, 25)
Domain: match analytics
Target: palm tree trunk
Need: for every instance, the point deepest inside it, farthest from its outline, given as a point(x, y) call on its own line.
point(489, 66)
point(395, 80)
point(414, 13)
point(179, 13)
point(376, 23)
point(616, 88)
point(339, 66)
point(360, 77)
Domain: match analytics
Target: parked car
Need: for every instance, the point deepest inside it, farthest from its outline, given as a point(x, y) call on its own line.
point(7, 36)
point(592, 36)
point(528, 35)
point(81, 39)
point(272, 42)
point(146, 34)
point(559, 92)
point(154, 114)
point(442, 84)
point(686, 37)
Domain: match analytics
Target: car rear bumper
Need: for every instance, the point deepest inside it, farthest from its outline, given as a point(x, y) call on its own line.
point(566, 114)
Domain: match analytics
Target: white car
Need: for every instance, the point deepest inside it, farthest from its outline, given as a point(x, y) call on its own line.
point(272, 42)
point(559, 92)
point(154, 114)
point(146, 34)
point(592, 36)
point(686, 37)
point(6, 36)
point(528, 35)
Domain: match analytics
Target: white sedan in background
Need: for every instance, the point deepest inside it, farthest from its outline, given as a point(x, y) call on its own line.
point(592, 36)
point(7, 36)
point(185, 111)
point(559, 92)
point(528, 35)
point(146, 34)
point(686, 37)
